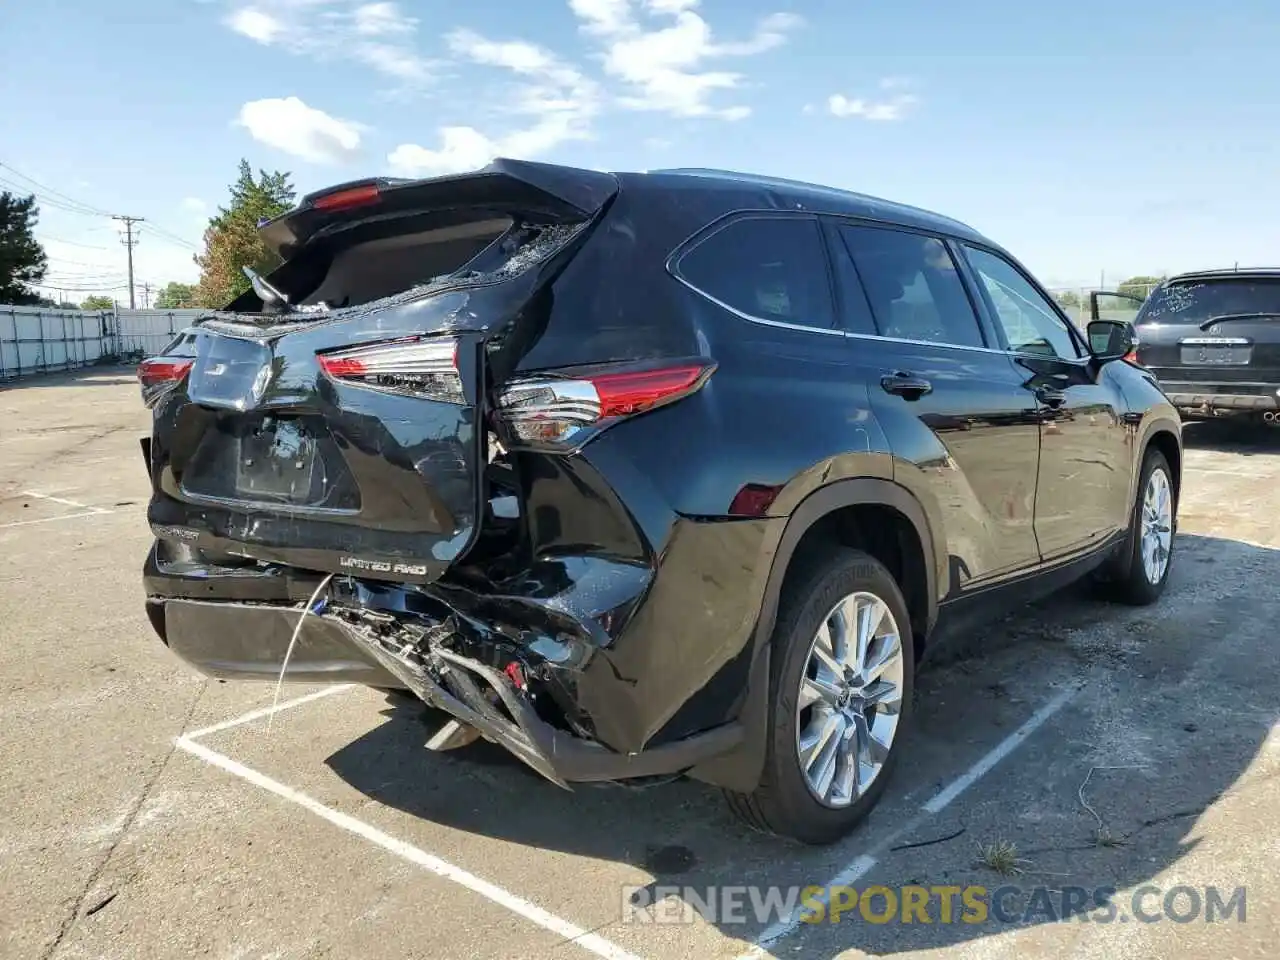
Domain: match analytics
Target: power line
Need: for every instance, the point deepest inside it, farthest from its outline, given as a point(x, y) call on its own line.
point(56, 193)
point(76, 243)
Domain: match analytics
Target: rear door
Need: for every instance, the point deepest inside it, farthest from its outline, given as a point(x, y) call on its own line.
point(1207, 331)
point(352, 438)
point(1083, 491)
point(955, 410)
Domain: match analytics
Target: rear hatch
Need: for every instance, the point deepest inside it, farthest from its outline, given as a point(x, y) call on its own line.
point(1217, 329)
point(345, 433)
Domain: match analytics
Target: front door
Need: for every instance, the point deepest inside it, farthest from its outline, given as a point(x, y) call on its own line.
point(1082, 495)
point(965, 438)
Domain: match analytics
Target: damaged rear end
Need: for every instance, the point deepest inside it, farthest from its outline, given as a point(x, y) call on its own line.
point(360, 432)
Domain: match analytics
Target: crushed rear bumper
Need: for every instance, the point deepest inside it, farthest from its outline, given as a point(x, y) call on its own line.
point(531, 674)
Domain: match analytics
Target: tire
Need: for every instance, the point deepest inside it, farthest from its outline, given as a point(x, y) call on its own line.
point(784, 803)
point(1135, 585)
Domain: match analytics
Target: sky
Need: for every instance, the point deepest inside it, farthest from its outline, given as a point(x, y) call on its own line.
point(1095, 140)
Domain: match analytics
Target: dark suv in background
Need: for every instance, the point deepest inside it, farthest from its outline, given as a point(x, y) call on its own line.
point(642, 475)
point(1212, 339)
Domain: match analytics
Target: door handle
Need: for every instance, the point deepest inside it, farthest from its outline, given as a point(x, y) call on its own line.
point(906, 385)
point(1050, 397)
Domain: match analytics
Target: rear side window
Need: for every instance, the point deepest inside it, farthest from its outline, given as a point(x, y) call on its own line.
point(771, 268)
point(913, 286)
point(1199, 301)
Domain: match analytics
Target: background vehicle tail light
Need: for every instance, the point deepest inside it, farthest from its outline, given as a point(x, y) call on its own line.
point(158, 375)
point(418, 367)
point(564, 411)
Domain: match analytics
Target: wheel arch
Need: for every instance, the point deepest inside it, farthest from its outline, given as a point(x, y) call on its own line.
point(815, 519)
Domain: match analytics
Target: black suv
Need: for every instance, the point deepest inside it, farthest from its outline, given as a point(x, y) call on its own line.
point(1212, 339)
point(642, 475)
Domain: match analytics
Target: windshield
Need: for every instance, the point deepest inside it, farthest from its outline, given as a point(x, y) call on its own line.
point(1201, 300)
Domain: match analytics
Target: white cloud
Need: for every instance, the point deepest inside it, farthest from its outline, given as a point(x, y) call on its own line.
point(290, 125)
point(255, 25)
point(381, 20)
point(193, 205)
point(667, 69)
point(890, 108)
point(551, 103)
point(379, 35)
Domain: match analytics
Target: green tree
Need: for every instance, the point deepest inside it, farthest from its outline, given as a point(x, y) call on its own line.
point(1139, 286)
point(1068, 298)
point(22, 259)
point(175, 295)
point(97, 302)
point(231, 241)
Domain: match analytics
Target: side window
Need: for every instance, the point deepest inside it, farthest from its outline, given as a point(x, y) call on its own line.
point(1030, 323)
point(913, 286)
point(773, 268)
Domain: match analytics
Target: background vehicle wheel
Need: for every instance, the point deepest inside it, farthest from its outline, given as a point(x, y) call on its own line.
point(843, 672)
point(1149, 545)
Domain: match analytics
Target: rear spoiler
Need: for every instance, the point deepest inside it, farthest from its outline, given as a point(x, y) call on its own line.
point(535, 192)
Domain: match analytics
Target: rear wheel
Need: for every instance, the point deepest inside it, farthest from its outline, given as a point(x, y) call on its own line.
point(1149, 545)
point(840, 696)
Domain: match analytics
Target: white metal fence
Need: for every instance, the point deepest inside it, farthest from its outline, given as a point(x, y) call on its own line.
point(40, 340)
point(44, 340)
point(149, 331)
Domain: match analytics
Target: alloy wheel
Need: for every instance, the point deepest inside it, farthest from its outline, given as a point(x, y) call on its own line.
point(1157, 526)
point(850, 699)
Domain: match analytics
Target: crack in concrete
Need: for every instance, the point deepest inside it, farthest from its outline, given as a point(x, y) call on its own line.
point(69, 922)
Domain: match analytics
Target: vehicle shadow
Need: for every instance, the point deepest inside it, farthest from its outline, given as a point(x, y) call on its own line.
point(1155, 754)
point(1244, 437)
point(109, 374)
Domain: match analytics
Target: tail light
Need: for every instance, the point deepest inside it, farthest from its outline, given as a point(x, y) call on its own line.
point(158, 375)
point(348, 197)
point(564, 411)
point(418, 367)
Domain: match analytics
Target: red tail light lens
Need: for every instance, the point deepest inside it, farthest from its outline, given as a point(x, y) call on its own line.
point(420, 367)
point(158, 375)
point(565, 411)
point(360, 196)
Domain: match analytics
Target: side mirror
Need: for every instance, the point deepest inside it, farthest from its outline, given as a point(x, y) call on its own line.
point(1112, 339)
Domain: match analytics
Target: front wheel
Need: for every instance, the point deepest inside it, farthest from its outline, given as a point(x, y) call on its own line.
point(840, 696)
point(1148, 548)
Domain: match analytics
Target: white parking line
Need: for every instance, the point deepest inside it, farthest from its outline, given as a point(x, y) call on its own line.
point(87, 510)
point(65, 516)
point(64, 502)
point(262, 712)
point(572, 933)
point(866, 861)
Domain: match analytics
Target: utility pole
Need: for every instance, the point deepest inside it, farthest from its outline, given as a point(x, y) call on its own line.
point(130, 241)
point(146, 295)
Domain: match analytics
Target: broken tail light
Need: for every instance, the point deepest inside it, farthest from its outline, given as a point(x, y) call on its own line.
point(158, 375)
point(418, 367)
point(564, 411)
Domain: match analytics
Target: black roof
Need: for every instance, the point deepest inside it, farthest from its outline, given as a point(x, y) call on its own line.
point(1229, 273)
point(809, 196)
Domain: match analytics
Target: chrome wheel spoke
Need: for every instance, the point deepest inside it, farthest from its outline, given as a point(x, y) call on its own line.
point(818, 689)
point(824, 650)
point(886, 655)
point(822, 770)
